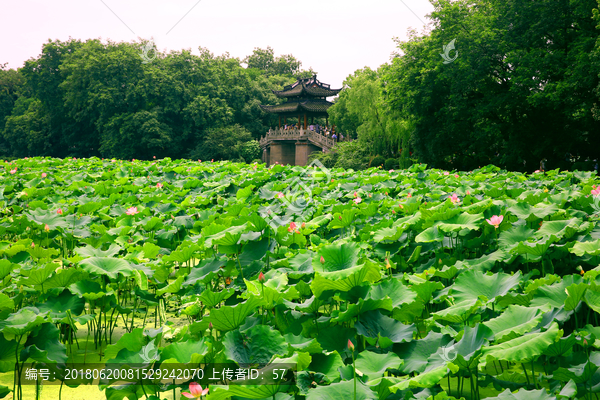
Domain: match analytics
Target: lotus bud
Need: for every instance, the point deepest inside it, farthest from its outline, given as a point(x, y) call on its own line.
point(210, 325)
point(303, 225)
point(340, 217)
point(322, 260)
point(350, 345)
point(47, 228)
point(261, 277)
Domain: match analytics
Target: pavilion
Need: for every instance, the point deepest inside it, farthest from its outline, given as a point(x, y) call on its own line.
point(306, 99)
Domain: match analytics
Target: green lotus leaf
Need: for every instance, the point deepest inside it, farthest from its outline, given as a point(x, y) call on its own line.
point(300, 343)
point(106, 266)
point(592, 298)
point(211, 299)
point(459, 312)
point(342, 390)
point(228, 318)
point(335, 338)
point(575, 295)
point(188, 352)
point(8, 356)
point(462, 221)
point(37, 276)
point(89, 290)
point(172, 287)
point(23, 321)
point(204, 272)
point(523, 394)
point(428, 378)
point(582, 373)
point(514, 322)
point(591, 248)
point(431, 234)
point(345, 279)
point(565, 228)
point(472, 284)
point(42, 345)
point(254, 346)
point(374, 365)
point(416, 353)
point(90, 251)
point(511, 238)
point(373, 324)
point(554, 295)
point(336, 257)
point(50, 218)
point(57, 307)
point(184, 253)
point(64, 277)
point(328, 365)
point(6, 303)
point(524, 348)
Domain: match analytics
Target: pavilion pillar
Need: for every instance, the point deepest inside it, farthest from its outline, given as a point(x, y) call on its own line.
point(304, 121)
point(280, 122)
point(299, 122)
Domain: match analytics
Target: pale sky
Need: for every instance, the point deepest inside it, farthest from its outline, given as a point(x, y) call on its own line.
point(334, 37)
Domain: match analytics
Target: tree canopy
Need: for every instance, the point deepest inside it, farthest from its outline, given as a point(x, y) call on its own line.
point(95, 98)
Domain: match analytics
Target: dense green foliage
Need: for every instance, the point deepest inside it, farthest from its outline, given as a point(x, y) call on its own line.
point(100, 99)
point(428, 284)
point(524, 87)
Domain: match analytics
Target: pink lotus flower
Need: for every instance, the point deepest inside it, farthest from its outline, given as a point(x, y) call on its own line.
point(596, 192)
point(47, 228)
point(32, 245)
point(454, 199)
point(44, 175)
point(409, 195)
point(292, 227)
point(13, 171)
point(196, 391)
point(355, 194)
point(446, 173)
point(357, 200)
point(280, 195)
point(154, 157)
point(456, 175)
point(159, 185)
point(59, 211)
point(468, 192)
point(391, 170)
point(132, 211)
point(496, 220)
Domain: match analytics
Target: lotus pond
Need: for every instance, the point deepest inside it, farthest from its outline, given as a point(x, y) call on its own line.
point(412, 284)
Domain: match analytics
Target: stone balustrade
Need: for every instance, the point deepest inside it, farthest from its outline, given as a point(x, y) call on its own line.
point(297, 134)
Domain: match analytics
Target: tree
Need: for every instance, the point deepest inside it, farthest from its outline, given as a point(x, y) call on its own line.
point(520, 89)
point(222, 143)
point(362, 112)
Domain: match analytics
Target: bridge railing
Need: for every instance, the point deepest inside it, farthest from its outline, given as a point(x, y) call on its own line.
point(296, 134)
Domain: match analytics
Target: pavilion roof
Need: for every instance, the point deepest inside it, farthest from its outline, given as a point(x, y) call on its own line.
point(311, 106)
point(307, 87)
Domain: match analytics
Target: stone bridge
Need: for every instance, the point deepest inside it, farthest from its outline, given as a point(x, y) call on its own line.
point(292, 146)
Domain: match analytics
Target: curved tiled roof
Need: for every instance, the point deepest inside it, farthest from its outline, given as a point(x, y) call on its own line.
point(307, 87)
point(318, 106)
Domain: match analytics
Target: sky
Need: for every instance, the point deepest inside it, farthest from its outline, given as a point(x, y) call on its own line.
point(334, 37)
